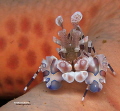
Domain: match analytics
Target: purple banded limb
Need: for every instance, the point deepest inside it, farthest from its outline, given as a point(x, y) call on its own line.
point(85, 94)
point(34, 76)
point(90, 46)
point(112, 70)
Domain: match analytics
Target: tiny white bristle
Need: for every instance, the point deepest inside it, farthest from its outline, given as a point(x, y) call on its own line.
point(89, 43)
point(58, 50)
point(62, 33)
point(34, 76)
point(83, 98)
point(63, 50)
point(81, 41)
point(59, 20)
point(114, 73)
point(76, 17)
point(39, 70)
point(44, 80)
point(44, 62)
point(77, 49)
point(86, 39)
point(25, 88)
point(55, 40)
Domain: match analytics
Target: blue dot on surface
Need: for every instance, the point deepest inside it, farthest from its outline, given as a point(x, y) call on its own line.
point(47, 80)
point(55, 85)
point(94, 87)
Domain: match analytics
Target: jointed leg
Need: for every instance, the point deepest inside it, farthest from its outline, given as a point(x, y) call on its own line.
point(90, 46)
point(93, 49)
point(34, 76)
point(89, 51)
point(111, 69)
point(85, 94)
point(83, 40)
point(82, 46)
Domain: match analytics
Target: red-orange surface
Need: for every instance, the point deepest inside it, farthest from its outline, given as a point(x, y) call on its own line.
point(26, 30)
